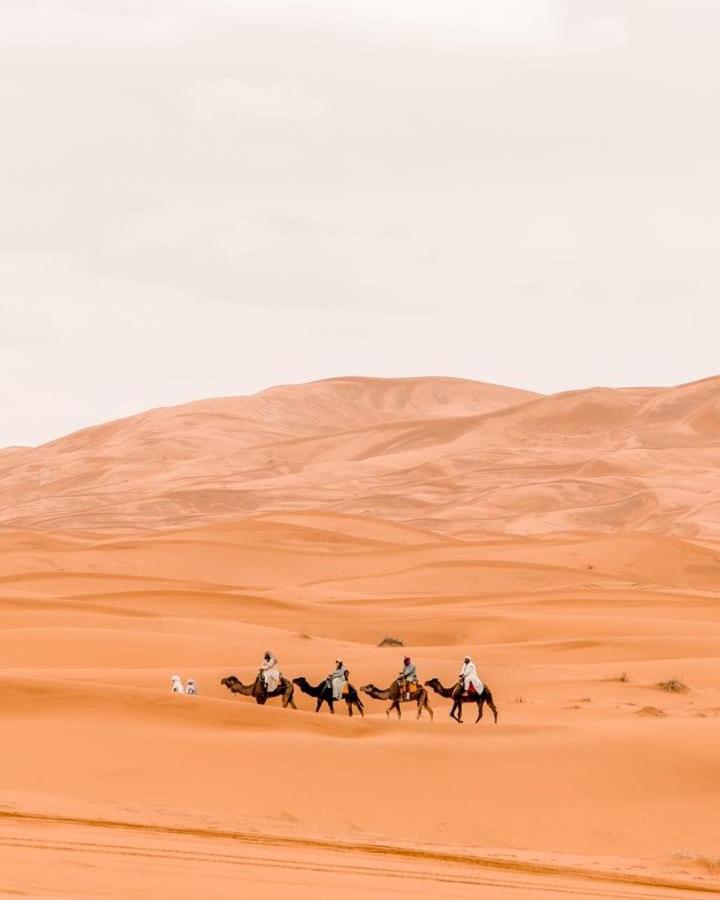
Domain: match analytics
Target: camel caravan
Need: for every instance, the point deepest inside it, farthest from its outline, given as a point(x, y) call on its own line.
point(336, 688)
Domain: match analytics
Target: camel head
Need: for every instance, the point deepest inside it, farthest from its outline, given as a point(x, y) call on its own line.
point(300, 681)
point(368, 688)
point(229, 681)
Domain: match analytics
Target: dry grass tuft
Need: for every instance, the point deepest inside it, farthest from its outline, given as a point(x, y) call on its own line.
point(650, 712)
point(391, 642)
point(709, 863)
point(673, 686)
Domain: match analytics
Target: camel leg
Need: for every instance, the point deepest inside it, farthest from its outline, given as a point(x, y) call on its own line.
point(480, 710)
point(424, 703)
point(494, 709)
point(488, 698)
point(331, 704)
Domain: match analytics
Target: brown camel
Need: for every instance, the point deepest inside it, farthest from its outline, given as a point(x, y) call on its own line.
point(257, 689)
point(459, 697)
point(397, 696)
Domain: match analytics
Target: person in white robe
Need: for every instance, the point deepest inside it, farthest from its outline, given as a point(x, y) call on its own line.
point(191, 687)
point(469, 676)
point(176, 685)
point(338, 679)
point(270, 672)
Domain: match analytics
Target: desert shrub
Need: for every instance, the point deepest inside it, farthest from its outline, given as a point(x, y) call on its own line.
point(651, 712)
point(673, 686)
point(391, 642)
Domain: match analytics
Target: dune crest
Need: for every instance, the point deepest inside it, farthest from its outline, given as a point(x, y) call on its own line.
point(446, 455)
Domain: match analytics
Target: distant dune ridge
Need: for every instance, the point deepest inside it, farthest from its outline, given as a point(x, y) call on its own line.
point(454, 456)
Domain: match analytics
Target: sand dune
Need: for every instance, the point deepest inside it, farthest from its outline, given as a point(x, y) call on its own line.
point(437, 454)
point(569, 543)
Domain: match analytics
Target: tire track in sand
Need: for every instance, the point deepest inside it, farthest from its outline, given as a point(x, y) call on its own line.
point(497, 871)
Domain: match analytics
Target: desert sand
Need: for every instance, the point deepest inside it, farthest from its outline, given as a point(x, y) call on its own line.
point(569, 543)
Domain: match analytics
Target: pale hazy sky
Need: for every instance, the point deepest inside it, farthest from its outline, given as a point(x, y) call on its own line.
point(211, 197)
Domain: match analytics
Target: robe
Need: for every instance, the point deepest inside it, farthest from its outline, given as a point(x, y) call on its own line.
point(409, 673)
point(469, 676)
point(271, 673)
point(337, 681)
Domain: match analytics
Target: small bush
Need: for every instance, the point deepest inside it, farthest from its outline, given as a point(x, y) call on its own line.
point(391, 642)
point(710, 863)
point(623, 676)
point(673, 686)
point(651, 712)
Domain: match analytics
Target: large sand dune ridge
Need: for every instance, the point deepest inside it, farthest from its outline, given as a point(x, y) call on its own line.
point(447, 455)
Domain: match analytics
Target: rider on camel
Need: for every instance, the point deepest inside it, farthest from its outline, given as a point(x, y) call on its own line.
point(337, 679)
point(469, 678)
point(407, 677)
point(270, 672)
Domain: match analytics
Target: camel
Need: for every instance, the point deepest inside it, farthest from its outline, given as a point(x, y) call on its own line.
point(257, 690)
point(395, 694)
point(323, 694)
point(459, 697)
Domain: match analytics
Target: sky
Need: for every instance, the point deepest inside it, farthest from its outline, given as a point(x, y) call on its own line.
point(208, 198)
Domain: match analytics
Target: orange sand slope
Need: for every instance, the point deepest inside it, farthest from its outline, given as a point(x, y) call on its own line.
point(315, 521)
point(446, 455)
